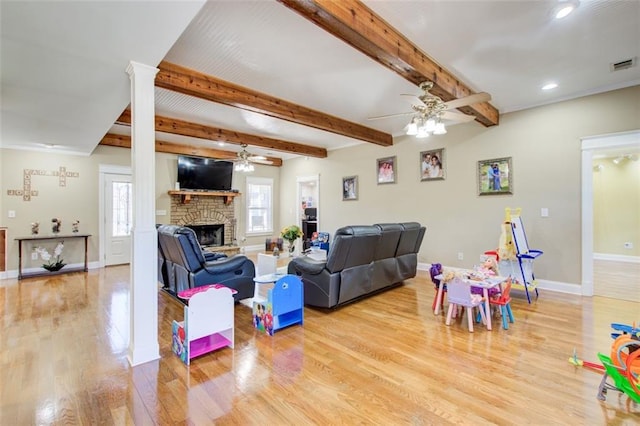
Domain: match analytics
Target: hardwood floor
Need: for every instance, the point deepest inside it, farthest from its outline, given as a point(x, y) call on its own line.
point(384, 360)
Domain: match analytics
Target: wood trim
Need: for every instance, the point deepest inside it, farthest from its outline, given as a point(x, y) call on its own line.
point(185, 196)
point(201, 131)
point(124, 141)
point(357, 25)
point(194, 83)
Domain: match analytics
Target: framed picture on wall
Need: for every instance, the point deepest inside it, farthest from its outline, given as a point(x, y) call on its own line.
point(495, 176)
point(386, 170)
point(349, 188)
point(432, 165)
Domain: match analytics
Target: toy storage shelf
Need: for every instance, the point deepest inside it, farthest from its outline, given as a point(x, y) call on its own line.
point(208, 344)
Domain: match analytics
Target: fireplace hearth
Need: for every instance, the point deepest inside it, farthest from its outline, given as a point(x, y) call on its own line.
point(209, 235)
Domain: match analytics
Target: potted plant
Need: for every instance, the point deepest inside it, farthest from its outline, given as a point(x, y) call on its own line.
point(290, 234)
point(55, 262)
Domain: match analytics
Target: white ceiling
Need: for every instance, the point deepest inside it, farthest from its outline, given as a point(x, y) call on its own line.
point(64, 82)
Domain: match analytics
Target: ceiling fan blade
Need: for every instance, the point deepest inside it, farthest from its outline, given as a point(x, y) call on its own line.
point(265, 162)
point(256, 158)
point(391, 115)
point(468, 100)
point(416, 97)
point(456, 116)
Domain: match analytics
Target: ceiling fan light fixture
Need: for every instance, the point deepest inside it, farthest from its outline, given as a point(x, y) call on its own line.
point(564, 8)
point(430, 125)
point(412, 128)
point(244, 166)
point(422, 132)
point(440, 129)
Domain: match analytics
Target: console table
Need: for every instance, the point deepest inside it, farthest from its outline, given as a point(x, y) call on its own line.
point(64, 270)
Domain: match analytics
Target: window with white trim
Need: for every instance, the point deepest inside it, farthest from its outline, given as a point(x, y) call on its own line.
point(259, 214)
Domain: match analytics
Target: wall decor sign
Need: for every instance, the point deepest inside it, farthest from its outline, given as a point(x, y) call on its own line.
point(27, 192)
point(495, 176)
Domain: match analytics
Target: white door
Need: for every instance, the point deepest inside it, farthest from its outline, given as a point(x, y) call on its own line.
point(118, 218)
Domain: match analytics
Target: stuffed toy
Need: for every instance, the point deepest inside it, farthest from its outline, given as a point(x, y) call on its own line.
point(506, 247)
point(434, 271)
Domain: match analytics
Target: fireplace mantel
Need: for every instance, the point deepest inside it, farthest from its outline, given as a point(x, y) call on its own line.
point(185, 195)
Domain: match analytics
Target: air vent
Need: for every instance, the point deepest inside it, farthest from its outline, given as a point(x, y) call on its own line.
point(623, 65)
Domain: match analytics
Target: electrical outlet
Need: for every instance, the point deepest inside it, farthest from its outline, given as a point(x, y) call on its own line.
point(460, 256)
point(12, 213)
point(628, 245)
point(34, 256)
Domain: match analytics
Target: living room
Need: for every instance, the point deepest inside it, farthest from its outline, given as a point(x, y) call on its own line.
point(545, 146)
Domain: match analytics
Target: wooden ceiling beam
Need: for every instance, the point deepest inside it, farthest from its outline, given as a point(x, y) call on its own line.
point(190, 82)
point(124, 141)
point(357, 25)
point(200, 131)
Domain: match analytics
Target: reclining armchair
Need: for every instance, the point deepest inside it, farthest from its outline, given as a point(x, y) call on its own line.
point(191, 269)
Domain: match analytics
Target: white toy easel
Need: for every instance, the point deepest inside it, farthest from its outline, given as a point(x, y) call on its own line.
point(514, 256)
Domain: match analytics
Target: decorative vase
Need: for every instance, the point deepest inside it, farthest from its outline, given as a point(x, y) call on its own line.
point(290, 248)
point(54, 267)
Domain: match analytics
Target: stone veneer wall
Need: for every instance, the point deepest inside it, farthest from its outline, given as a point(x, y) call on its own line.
point(204, 210)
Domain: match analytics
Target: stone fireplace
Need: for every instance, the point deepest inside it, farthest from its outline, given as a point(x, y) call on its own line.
point(208, 211)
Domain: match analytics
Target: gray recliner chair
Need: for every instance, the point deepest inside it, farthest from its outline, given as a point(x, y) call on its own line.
point(191, 268)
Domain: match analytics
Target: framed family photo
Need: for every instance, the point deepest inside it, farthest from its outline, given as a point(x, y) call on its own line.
point(386, 170)
point(495, 176)
point(432, 165)
point(349, 188)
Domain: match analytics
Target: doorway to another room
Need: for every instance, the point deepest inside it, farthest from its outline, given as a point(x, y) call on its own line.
point(309, 207)
point(116, 215)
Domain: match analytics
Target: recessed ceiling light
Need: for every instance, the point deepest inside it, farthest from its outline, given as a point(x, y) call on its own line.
point(549, 86)
point(564, 8)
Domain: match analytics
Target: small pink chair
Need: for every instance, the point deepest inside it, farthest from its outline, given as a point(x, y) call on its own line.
point(459, 294)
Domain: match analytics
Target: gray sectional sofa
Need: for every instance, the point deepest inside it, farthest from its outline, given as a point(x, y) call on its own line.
point(362, 260)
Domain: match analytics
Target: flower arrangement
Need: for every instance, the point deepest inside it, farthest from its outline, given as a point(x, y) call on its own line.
point(291, 233)
point(53, 263)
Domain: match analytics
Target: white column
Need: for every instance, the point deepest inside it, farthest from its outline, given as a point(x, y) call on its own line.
point(143, 299)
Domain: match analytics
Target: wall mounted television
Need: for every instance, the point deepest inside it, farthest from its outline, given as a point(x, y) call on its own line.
point(204, 174)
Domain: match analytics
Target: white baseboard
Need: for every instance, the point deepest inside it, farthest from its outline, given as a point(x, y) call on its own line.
point(14, 272)
point(616, 257)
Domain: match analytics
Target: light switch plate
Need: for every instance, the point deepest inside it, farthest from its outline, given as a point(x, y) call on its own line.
point(544, 212)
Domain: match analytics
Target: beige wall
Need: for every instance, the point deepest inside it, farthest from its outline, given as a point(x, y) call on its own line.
point(545, 147)
point(616, 207)
point(78, 200)
point(544, 144)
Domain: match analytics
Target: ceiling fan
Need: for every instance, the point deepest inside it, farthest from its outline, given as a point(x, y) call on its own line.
point(430, 110)
point(244, 160)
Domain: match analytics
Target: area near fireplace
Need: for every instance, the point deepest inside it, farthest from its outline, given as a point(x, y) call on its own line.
point(211, 218)
point(209, 235)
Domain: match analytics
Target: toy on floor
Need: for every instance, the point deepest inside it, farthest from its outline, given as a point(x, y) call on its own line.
point(623, 366)
point(581, 363)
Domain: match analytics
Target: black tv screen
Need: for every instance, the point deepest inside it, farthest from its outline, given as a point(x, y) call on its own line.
point(204, 173)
